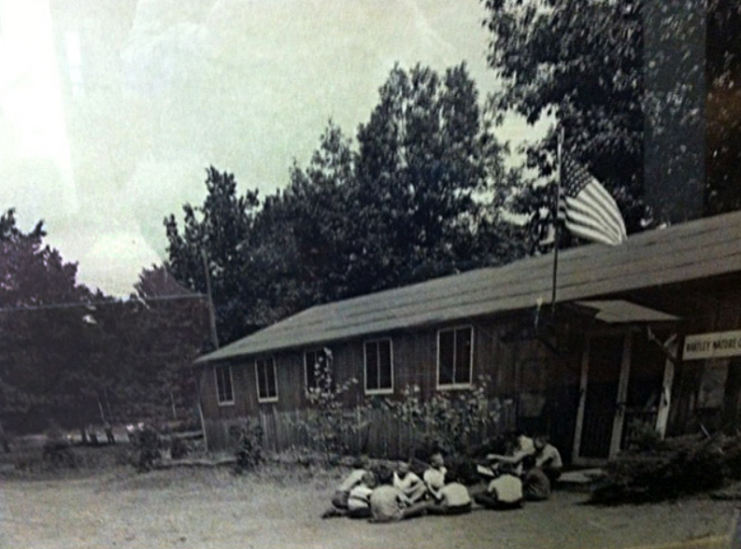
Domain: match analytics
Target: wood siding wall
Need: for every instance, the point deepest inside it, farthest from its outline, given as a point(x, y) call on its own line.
point(498, 356)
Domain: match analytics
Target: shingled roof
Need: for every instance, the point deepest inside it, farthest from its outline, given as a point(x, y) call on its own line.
point(690, 251)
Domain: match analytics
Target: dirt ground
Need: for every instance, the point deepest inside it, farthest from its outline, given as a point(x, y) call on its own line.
point(281, 508)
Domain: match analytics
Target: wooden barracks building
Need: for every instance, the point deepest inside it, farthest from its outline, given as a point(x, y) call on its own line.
point(646, 331)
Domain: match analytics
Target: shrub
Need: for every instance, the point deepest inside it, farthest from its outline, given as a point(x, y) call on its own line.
point(673, 468)
point(329, 423)
point(149, 449)
point(450, 421)
point(248, 446)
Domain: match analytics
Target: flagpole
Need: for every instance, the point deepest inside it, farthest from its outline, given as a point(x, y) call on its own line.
point(559, 175)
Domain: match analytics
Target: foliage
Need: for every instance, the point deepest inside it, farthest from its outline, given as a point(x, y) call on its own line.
point(248, 451)
point(402, 205)
point(148, 445)
point(329, 422)
point(617, 74)
point(449, 421)
point(670, 468)
point(214, 234)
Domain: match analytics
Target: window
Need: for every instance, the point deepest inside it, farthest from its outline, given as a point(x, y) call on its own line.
point(267, 383)
point(224, 391)
point(379, 376)
point(314, 363)
point(455, 357)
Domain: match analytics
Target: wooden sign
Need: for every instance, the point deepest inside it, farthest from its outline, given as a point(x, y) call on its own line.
point(712, 345)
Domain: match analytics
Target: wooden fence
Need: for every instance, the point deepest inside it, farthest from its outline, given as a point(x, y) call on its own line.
point(375, 432)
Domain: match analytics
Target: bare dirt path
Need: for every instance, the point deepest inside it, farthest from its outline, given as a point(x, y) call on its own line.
point(213, 509)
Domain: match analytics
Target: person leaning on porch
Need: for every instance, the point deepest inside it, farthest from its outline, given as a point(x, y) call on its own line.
point(409, 483)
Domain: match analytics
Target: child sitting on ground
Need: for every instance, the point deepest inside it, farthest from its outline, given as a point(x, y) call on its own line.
point(361, 466)
point(409, 483)
point(389, 504)
point(548, 458)
point(434, 476)
point(504, 492)
point(454, 498)
point(358, 504)
point(535, 484)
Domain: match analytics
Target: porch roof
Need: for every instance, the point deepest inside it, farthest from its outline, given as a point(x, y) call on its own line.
point(689, 251)
point(619, 311)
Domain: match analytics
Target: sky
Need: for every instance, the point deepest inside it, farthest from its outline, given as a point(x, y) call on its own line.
point(110, 112)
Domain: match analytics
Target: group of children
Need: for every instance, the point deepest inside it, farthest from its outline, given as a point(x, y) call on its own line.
point(526, 471)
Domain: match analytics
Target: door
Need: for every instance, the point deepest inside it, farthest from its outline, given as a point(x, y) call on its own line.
point(600, 386)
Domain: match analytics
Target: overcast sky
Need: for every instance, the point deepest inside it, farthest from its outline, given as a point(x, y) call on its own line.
point(111, 110)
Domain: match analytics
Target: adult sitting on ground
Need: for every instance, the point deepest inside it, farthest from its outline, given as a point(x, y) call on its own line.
point(517, 448)
point(548, 458)
point(504, 492)
point(454, 499)
point(535, 483)
point(409, 483)
point(389, 504)
point(361, 466)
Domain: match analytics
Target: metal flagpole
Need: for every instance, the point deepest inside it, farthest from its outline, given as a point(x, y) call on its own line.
point(559, 175)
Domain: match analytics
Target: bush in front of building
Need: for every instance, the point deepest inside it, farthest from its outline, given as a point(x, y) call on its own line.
point(248, 446)
point(670, 469)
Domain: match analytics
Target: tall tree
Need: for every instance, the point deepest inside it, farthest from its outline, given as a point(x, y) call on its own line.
point(220, 231)
point(421, 160)
point(582, 62)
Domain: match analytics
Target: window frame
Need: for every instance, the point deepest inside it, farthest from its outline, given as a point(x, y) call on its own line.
point(222, 367)
point(454, 385)
point(265, 400)
point(383, 391)
point(316, 350)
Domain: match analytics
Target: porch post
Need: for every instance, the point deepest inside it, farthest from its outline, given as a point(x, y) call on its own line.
point(622, 393)
point(665, 402)
point(582, 401)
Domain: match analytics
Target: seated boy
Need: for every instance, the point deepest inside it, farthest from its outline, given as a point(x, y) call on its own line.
point(504, 492)
point(454, 499)
point(342, 494)
point(535, 484)
point(389, 504)
point(548, 458)
point(434, 476)
point(409, 483)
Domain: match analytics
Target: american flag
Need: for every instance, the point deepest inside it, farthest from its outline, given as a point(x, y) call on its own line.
point(586, 207)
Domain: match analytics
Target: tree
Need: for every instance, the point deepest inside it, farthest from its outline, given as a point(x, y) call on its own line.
point(581, 62)
point(423, 156)
point(220, 229)
point(626, 80)
point(723, 152)
point(45, 365)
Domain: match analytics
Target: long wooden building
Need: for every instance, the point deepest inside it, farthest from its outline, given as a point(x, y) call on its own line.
point(647, 331)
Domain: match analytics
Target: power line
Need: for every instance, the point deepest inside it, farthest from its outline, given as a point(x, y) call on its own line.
point(72, 305)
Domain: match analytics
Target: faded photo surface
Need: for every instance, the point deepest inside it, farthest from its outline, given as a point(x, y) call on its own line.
point(275, 272)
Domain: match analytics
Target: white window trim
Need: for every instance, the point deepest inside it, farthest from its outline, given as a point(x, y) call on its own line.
point(231, 383)
point(257, 381)
point(306, 365)
point(389, 391)
point(456, 386)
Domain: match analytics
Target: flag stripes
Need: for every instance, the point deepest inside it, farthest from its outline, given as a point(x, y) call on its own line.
point(586, 207)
